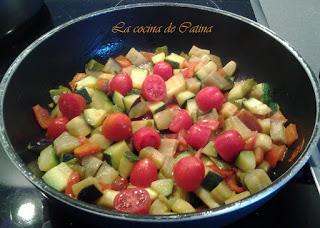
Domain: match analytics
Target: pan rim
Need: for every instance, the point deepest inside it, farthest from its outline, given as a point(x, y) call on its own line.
point(277, 184)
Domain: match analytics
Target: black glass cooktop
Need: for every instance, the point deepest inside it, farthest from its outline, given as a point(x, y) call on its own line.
point(22, 205)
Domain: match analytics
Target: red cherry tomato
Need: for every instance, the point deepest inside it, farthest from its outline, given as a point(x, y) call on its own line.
point(143, 173)
point(73, 179)
point(209, 98)
point(56, 127)
point(119, 184)
point(182, 120)
point(71, 105)
point(189, 173)
point(133, 200)
point(229, 144)
point(121, 83)
point(146, 137)
point(198, 136)
point(163, 69)
point(117, 127)
point(154, 88)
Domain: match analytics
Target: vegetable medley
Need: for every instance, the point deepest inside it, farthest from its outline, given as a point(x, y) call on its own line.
point(160, 133)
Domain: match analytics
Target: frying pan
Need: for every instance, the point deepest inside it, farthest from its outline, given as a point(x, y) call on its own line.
point(55, 57)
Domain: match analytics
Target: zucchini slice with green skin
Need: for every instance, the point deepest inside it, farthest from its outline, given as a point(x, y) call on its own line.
point(183, 97)
point(158, 208)
point(47, 159)
point(99, 139)
point(163, 186)
point(221, 193)
point(263, 141)
point(115, 152)
point(138, 110)
point(233, 122)
point(175, 60)
point(277, 131)
point(136, 125)
point(210, 150)
point(76, 188)
point(192, 108)
point(117, 99)
point(182, 206)
point(211, 181)
point(153, 154)
point(58, 176)
point(175, 85)
point(65, 143)
point(158, 57)
point(131, 100)
point(101, 101)
point(138, 75)
point(126, 164)
point(214, 79)
point(257, 180)
point(198, 51)
point(91, 164)
point(94, 117)
point(163, 49)
point(241, 89)
point(135, 57)
point(106, 200)
point(237, 197)
point(163, 119)
point(112, 66)
point(88, 81)
point(106, 174)
point(93, 65)
point(257, 107)
point(263, 92)
point(206, 197)
point(204, 71)
point(155, 107)
point(78, 127)
point(230, 68)
point(246, 161)
point(193, 85)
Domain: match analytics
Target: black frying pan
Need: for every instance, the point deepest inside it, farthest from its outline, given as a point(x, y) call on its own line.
point(55, 57)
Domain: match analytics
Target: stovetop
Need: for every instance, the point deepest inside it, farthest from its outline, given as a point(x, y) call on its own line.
point(22, 205)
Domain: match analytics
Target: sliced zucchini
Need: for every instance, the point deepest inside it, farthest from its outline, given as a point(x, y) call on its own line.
point(158, 57)
point(262, 91)
point(88, 81)
point(196, 51)
point(205, 70)
point(263, 141)
point(136, 125)
point(167, 167)
point(175, 60)
point(126, 164)
point(94, 117)
point(76, 188)
point(58, 176)
point(106, 174)
point(256, 107)
point(211, 181)
point(68, 158)
point(138, 75)
point(155, 107)
point(163, 119)
point(175, 85)
point(47, 159)
point(237, 197)
point(193, 85)
point(246, 161)
point(93, 65)
point(130, 100)
point(91, 165)
point(99, 139)
point(115, 152)
point(158, 208)
point(55, 93)
point(138, 109)
point(78, 127)
point(135, 57)
point(117, 99)
point(183, 97)
point(235, 123)
point(221, 193)
point(168, 147)
point(101, 101)
point(183, 155)
point(106, 200)
point(206, 197)
point(239, 102)
point(241, 89)
point(230, 68)
point(214, 79)
point(265, 166)
point(257, 180)
point(65, 143)
point(209, 150)
point(182, 206)
point(112, 66)
point(163, 49)
point(228, 109)
point(163, 186)
point(277, 132)
point(192, 108)
point(211, 115)
point(265, 125)
point(153, 154)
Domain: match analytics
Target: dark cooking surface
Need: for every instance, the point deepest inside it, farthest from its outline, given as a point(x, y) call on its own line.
point(297, 205)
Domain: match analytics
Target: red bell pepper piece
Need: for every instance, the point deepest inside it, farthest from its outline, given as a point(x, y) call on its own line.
point(233, 184)
point(73, 179)
point(87, 149)
point(275, 155)
point(42, 116)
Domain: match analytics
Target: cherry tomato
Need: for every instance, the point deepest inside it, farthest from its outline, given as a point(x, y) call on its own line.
point(198, 136)
point(143, 173)
point(71, 105)
point(182, 120)
point(144, 137)
point(73, 179)
point(117, 127)
point(119, 184)
point(189, 173)
point(133, 200)
point(154, 88)
point(121, 83)
point(229, 144)
point(163, 69)
point(209, 98)
point(56, 127)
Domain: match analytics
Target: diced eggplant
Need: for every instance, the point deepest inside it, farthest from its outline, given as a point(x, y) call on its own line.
point(89, 194)
point(211, 181)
